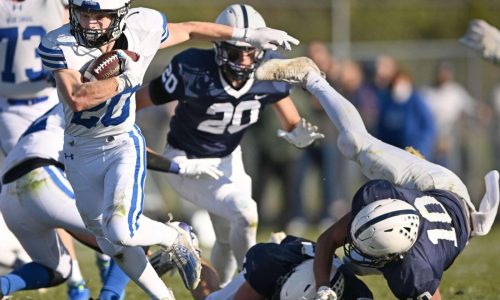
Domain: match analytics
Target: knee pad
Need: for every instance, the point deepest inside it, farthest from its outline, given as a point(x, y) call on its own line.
point(108, 247)
point(116, 230)
point(350, 143)
point(247, 214)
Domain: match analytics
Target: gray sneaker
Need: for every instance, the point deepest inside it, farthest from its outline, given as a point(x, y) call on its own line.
point(292, 70)
point(185, 255)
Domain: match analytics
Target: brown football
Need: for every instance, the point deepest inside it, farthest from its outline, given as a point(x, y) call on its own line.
point(106, 66)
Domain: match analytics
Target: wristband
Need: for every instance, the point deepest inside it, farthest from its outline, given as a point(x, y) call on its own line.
point(174, 168)
point(239, 34)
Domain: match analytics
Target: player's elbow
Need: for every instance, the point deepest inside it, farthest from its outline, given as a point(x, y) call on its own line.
point(77, 104)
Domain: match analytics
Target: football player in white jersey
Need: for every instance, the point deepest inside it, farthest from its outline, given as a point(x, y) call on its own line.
point(25, 91)
point(36, 199)
point(104, 150)
point(218, 99)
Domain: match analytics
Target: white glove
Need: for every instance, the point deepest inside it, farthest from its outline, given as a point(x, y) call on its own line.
point(325, 293)
point(265, 38)
point(303, 135)
point(200, 168)
point(132, 71)
point(484, 38)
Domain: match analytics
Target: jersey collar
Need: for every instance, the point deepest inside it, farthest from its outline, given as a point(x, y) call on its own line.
point(233, 92)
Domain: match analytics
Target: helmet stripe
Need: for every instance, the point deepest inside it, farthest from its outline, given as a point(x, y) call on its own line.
point(245, 15)
point(382, 217)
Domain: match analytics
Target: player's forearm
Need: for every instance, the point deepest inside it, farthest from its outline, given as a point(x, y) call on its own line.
point(185, 31)
point(287, 113)
point(157, 162)
point(209, 31)
point(327, 243)
point(91, 94)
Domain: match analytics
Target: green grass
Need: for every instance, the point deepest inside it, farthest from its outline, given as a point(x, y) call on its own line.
point(474, 275)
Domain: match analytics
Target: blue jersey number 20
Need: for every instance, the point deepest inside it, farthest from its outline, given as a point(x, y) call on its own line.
point(107, 119)
point(11, 34)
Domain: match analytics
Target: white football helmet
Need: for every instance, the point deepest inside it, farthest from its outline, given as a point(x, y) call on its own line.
point(93, 38)
point(227, 53)
point(301, 285)
point(382, 231)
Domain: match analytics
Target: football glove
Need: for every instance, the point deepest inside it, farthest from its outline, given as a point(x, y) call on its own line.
point(325, 293)
point(483, 38)
point(303, 135)
point(198, 168)
point(265, 38)
point(132, 72)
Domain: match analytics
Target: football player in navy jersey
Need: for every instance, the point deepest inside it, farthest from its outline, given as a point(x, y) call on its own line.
point(218, 99)
point(409, 222)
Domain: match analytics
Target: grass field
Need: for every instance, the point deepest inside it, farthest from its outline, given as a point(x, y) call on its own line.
point(474, 275)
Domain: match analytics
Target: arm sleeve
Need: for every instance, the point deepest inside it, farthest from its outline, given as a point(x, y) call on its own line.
point(51, 54)
point(169, 86)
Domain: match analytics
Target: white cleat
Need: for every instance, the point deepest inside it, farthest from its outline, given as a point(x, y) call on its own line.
point(184, 253)
point(292, 70)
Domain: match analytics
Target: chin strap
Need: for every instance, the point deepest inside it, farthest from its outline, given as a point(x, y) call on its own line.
point(483, 219)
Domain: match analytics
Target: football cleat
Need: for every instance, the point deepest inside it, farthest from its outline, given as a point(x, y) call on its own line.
point(185, 254)
point(78, 291)
point(160, 264)
point(292, 70)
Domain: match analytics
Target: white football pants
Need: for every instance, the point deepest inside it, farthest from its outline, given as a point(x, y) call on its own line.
point(229, 202)
point(107, 175)
point(33, 207)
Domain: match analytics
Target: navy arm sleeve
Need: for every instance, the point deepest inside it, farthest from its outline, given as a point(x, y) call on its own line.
point(169, 86)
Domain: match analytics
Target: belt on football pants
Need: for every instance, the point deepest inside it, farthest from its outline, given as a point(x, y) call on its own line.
point(27, 166)
point(27, 102)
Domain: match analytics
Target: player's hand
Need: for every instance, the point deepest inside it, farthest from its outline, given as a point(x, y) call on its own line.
point(325, 293)
point(200, 168)
point(484, 38)
point(132, 71)
point(303, 135)
point(265, 38)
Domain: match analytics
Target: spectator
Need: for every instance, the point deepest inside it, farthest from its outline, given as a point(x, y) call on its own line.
point(405, 120)
point(448, 101)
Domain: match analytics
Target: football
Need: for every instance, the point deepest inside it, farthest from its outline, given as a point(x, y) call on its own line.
point(106, 66)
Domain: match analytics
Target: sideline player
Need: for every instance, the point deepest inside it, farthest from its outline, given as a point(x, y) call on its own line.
point(218, 99)
point(25, 91)
point(104, 149)
point(410, 221)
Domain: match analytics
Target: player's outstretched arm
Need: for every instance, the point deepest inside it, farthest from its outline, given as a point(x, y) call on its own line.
point(264, 37)
point(192, 168)
point(483, 38)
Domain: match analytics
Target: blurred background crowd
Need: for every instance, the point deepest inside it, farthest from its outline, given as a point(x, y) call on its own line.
point(400, 64)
